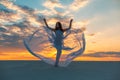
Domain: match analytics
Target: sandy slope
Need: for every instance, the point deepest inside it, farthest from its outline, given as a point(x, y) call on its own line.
point(37, 70)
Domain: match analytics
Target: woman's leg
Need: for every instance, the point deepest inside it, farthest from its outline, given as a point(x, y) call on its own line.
point(58, 57)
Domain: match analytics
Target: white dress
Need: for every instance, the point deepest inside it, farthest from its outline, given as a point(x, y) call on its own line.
point(46, 39)
point(58, 39)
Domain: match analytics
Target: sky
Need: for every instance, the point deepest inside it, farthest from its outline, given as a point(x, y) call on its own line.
point(99, 18)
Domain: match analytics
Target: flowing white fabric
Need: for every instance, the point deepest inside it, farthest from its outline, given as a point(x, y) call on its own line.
point(44, 43)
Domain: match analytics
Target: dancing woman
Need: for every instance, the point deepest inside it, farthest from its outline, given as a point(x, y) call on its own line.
point(58, 40)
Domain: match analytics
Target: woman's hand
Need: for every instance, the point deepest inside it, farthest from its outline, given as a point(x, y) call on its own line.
point(43, 18)
point(71, 20)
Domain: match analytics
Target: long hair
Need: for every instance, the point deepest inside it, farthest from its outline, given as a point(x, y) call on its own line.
point(58, 26)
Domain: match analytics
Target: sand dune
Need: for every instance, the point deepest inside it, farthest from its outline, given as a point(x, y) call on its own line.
point(37, 70)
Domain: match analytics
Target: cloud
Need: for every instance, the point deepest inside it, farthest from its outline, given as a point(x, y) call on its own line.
point(53, 8)
point(2, 29)
point(81, 24)
point(52, 4)
point(4, 9)
point(20, 13)
point(77, 4)
point(103, 54)
point(92, 34)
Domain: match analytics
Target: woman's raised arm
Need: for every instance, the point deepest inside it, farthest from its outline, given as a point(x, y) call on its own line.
point(47, 25)
point(69, 25)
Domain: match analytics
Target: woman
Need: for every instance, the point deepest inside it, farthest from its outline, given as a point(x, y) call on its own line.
point(58, 41)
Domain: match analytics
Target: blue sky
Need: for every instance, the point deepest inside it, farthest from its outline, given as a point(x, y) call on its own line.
point(31, 3)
